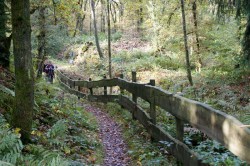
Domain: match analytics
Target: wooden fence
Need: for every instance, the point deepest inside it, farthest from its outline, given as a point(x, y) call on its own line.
point(217, 125)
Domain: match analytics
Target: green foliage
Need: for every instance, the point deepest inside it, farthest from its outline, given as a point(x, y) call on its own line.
point(10, 143)
point(168, 63)
point(57, 133)
point(140, 149)
point(38, 155)
point(116, 36)
point(215, 154)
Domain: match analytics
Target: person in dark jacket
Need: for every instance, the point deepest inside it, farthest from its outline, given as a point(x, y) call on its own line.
point(49, 70)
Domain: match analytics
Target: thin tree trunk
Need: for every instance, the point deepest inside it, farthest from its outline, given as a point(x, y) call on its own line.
point(186, 44)
point(77, 24)
point(95, 30)
point(109, 39)
point(246, 42)
point(24, 85)
point(4, 40)
point(199, 62)
point(113, 14)
point(102, 17)
point(90, 18)
point(140, 17)
point(54, 10)
point(41, 42)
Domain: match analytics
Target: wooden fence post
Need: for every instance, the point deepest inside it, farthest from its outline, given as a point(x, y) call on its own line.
point(134, 97)
point(179, 129)
point(105, 87)
point(79, 88)
point(152, 104)
point(69, 82)
point(90, 89)
point(121, 90)
point(61, 79)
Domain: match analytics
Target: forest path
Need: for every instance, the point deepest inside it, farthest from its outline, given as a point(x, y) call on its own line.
point(111, 135)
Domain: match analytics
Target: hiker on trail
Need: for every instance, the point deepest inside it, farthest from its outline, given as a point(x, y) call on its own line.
point(49, 70)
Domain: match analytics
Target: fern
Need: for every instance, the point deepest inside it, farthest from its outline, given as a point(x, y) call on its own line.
point(40, 156)
point(58, 132)
point(3, 163)
point(58, 129)
point(10, 144)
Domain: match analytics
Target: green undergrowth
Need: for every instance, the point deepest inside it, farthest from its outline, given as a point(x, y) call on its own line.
point(140, 149)
point(63, 133)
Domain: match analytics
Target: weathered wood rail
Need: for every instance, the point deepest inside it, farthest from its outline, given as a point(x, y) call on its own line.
point(217, 125)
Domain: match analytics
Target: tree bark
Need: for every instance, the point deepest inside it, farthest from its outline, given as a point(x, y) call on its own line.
point(113, 14)
point(186, 44)
point(103, 11)
point(246, 42)
point(24, 85)
point(41, 42)
point(199, 62)
point(54, 11)
point(4, 40)
point(95, 29)
point(140, 17)
point(109, 39)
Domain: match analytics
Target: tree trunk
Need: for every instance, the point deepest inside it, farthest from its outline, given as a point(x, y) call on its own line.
point(109, 39)
point(24, 85)
point(77, 24)
point(4, 40)
point(95, 29)
point(113, 14)
point(41, 42)
point(198, 61)
point(186, 44)
point(140, 17)
point(246, 42)
point(54, 11)
point(102, 16)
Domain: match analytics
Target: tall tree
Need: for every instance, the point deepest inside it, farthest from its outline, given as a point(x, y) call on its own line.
point(54, 11)
point(4, 39)
point(103, 11)
point(195, 21)
point(246, 38)
point(109, 38)
point(41, 41)
point(140, 16)
point(186, 43)
point(24, 85)
point(114, 15)
point(95, 29)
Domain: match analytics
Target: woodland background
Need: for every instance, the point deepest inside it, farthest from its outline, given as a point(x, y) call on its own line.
point(197, 48)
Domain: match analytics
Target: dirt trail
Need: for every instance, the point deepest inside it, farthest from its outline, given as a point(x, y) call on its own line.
point(110, 134)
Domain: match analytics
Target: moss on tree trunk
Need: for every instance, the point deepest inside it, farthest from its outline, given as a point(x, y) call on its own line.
point(246, 42)
point(24, 85)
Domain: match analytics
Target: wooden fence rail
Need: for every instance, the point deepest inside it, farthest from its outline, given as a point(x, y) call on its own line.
point(217, 125)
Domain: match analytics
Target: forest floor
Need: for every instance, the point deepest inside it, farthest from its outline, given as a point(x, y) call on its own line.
point(116, 152)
